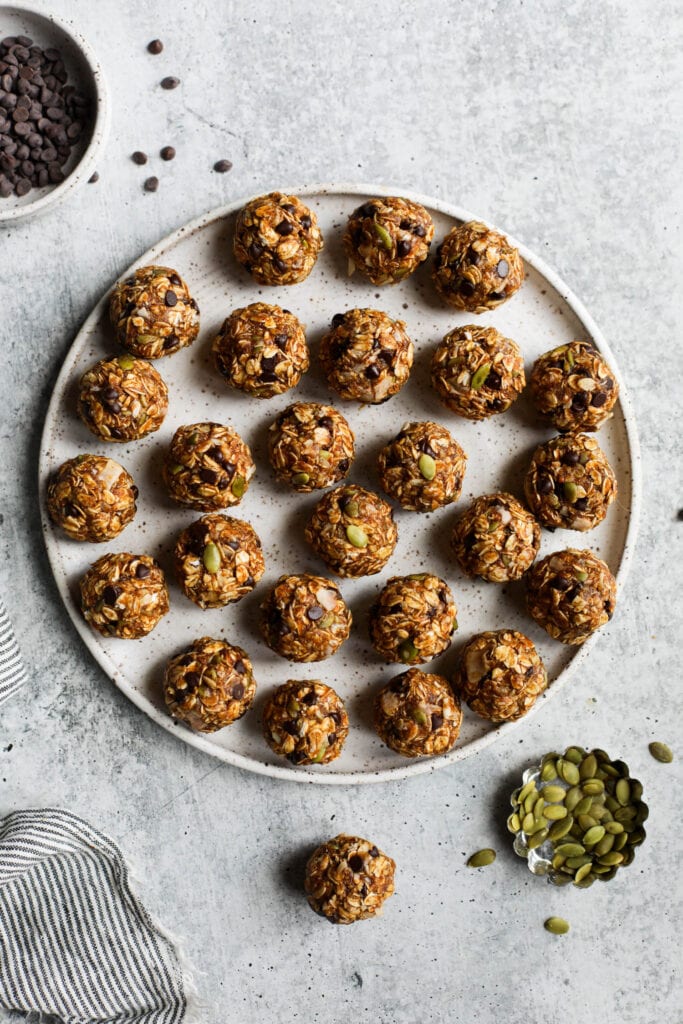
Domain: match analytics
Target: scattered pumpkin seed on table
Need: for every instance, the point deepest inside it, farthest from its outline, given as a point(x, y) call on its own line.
point(482, 858)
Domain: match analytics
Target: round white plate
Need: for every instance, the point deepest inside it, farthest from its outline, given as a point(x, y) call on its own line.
point(542, 315)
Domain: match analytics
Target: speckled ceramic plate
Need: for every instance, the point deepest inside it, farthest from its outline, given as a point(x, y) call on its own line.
point(542, 315)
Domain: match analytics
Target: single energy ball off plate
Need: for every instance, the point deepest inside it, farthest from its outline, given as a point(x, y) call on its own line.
point(209, 685)
point(477, 372)
point(122, 399)
point(310, 446)
point(570, 594)
point(413, 619)
point(91, 498)
point(388, 238)
point(570, 484)
point(422, 468)
point(153, 313)
point(476, 269)
point(124, 595)
point(573, 387)
point(261, 350)
point(417, 714)
point(366, 356)
point(306, 722)
point(207, 467)
point(218, 560)
point(305, 618)
point(500, 674)
point(353, 531)
point(496, 538)
point(348, 879)
point(277, 239)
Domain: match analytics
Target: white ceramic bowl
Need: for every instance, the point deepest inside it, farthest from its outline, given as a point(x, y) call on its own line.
point(85, 73)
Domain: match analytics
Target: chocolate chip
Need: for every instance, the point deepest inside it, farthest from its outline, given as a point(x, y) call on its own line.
point(465, 287)
point(315, 612)
point(496, 296)
point(155, 47)
point(598, 399)
point(366, 210)
point(174, 279)
point(151, 184)
point(305, 222)
point(138, 157)
point(142, 571)
point(222, 166)
point(545, 485)
point(372, 372)
point(281, 341)
point(425, 446)
point(579, 402)
point(494, 380)
point(581, 504)
point(279, 265)
point(170, 341)
point(256, 250)
point(403, 247)
point(373, 851)
point(110, 595)
point(343, 466)
point(560, 583)
point(419, 230)
point(607, 383)
point(238, 691)
point(284, 228)
point(338, 319)
point(309, 698)
point(208, 476)
point(296, 756)
point(437, 722)
point(192, 681)
point(570, 458)
point(170, 298)
point(503, 268)
point(170, 82)
point(167, 153)
point(95, 176)
point(356, 862)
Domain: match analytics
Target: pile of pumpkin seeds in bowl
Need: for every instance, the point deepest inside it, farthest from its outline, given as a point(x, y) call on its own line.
point(578, 817)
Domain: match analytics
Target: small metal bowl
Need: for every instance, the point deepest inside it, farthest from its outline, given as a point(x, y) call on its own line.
point(85, 73)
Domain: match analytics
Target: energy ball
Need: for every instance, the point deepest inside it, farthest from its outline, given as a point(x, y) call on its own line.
point(500, 675)
point(310, 446)
point(153, 313)
point(388, 238)
point(305, 618)
point(417, 714)
point(210, 685)
point(477, 372)
point(571, 594)
point(124, 595)
point(413, 619)
point(122, 399)
point(496, 538)
point(570, 484)
point(422, 468)
point(573, 388)
point(348, 879)
point(261, 350)
point(306, 722)
point(277, 239)
point(366, 356)
point(91, 498)
point(218, 560)
point(353, 531)
point(207, 467)
point(476, 269)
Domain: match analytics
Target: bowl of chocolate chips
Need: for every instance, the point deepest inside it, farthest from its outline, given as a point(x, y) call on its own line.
point(54, 112)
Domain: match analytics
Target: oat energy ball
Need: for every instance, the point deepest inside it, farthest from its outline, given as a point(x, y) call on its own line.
point(124, 595)
point(496, 538)
point(153, 313)
point(417, 714)
point(348, 879)
point(500, 675)
point(261, 350)
point(310, 446)
point(571, 594)
point(306, 722)
point(353, 531)
point(413, 619)
point(573, 388)
point(388, 238)
point(218, 560)
point(366, 356)
point(207, 467)
point(305, 618)
point(277, 239)
point(477, 372)
point(570, 484)
point(122, 399)
point(209, 685)
point(91, 498)
point(476, 269)
point(422, 468)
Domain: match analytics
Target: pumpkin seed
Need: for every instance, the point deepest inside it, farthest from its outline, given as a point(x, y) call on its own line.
point(548, 772)
point(593, 787)
point(300, 478)
point(574, 754)
point(482, 858)
point(537, 839)
point(614, 828)
point(356, 536)
point(604, 846)
point(530, 803)
point(238, 486)
point(529, 787)
point(176, 468)
point(593, 835)
point(554, 812)
point(539, 808)
point(586, 821)
point(571, 491)
point(611, 804)
point(211, 557)
point(642, 814)
point(637, 837)
point(556, 925)
point(636, 790)
point(352, 508)
point(383, 235)
point(513, 823)
point(408, 651)
point(586, 882)
point(569, 772)
point(661, 752)
point(559, 829)
point(528, 822)
point(570, 850)
point(126, 362)
point(581, 873)
point(538, 824)
point(427, 466)
point(622, 768)
point(553, 794)
point(613, 857)
point(561, 880)
point(420, 717)
point(629, 854)
point(607, 771)
point(588, 767)
point(581, 576)
point(578, 862)
point(479, 378)
point(572, 797)
point(625, 814)
point(558, 861)
point(622, 792)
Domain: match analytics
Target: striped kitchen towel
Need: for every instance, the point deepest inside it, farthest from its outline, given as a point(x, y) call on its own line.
point(12, 671)
point(75, 943)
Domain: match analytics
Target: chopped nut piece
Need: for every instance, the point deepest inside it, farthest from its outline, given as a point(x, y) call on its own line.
point(122, 399)
point(91, 498)
point(417, 714)
point(305, 618)
point(423, 467)
point(476, 372)
point(218, 560)
point(277, 239)
point(413, 619)
point(153, 313)
point(207, 467)
point(570, 484)
point(387, 238)
point(306, 722)
point(209, 685)
point(124, 595)
point(366, 356)
point(500, 675)
point(571, 594)
point(573, 388)
point(496, 538)
point(310, 446)
point(348, 879)
point(261, 350)
point(353, 531)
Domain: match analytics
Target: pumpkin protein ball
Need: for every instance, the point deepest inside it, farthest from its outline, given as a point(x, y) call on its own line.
point(277, 239)
point(122, 398)
point(496, 538)
point(570, 594)
point(570, 484)
point(477, 372)
point(417, 714)
point(422, 468)
point(476, 268)
point(348, 879)
point(153, 313)
point(91, 498)
point(353, 531)
point(366, 356)
point(261, 350)
point(209, 685)
point(310, 446)
point(500, 674)
point(218, 560)
point(413, 619)
point(306, 722)
point(305, 618)
point(573, 387)
point(124, 595)
point(207, 467)
point(388, 238)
